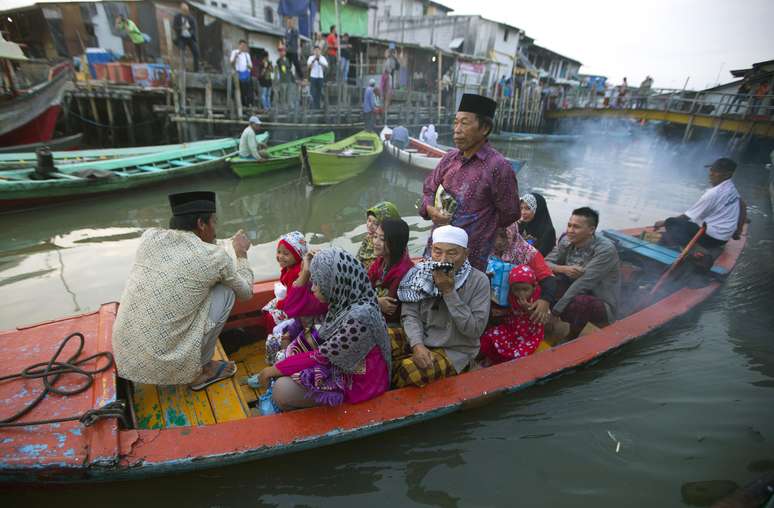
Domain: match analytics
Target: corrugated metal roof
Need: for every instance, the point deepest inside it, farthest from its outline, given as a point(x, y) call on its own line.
point(249, 23)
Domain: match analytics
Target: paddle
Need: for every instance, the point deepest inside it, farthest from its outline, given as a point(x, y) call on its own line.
point(678, 261)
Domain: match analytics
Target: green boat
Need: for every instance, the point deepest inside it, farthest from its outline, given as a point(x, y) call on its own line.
point(339, 161)
point(282, 156)
point(19, 160)
point(21, 188)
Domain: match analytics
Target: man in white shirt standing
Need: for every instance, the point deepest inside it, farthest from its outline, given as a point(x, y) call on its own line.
point(721, 208)
point(243, 65)
point(317, 65)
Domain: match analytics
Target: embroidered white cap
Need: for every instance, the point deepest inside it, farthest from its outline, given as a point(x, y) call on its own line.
point(451, 234)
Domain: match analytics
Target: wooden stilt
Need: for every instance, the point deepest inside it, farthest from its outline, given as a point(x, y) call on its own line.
point(129, 121)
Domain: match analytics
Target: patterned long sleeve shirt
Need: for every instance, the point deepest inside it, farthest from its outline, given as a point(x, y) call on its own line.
point(164, 311)
point(486, 192)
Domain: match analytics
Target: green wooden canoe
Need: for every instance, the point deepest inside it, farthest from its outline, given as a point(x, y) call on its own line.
point(19, 160)
point(71, 181)
point(344, 159)
point(282, 156)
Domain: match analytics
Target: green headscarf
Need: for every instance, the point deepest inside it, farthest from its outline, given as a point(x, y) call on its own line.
point(380, 211)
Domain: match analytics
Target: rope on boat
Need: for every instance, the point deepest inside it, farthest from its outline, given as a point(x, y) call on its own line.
point(51, 371)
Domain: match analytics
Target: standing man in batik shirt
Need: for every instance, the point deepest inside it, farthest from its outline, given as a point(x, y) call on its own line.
point(473, 187)
point(179, 294)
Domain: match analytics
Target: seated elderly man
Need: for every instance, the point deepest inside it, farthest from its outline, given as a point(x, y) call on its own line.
point(588, 272)
point(445, 311)
point(177, 299)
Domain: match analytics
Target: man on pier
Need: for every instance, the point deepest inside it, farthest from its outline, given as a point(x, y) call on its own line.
point(184, 26)
point(249, 147)
point(178, 297)
point(317, 66)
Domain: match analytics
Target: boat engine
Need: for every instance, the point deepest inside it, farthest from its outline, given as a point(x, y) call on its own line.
point(45, 164)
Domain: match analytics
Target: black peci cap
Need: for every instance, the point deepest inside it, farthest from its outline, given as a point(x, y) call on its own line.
point(478, 104)
point(724, 165)
point(185, 203)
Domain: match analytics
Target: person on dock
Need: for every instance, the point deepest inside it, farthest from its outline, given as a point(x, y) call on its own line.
point(265, 74)
point(428, 135)
point(721, 208)
point(643, 92)
point(292, 45)
point(392, 263)
point(588, 272)
point(346, 55)
point(126, 25)
point(473, 186)
point(332, 41)
point(349, 361)
point(249, 147)
point(242, 64)
point(317, 65)
point(184, 26)
point(535, 223)
point(286, 83)
point(445, 310)
point(166, 331)
point(369, 106)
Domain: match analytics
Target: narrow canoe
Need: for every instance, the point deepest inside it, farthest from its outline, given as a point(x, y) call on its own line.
point(71, 181)
point(527, 137)
point(342, 160)
point(19, 160)
point(282, 156)
point(192, 439)
point(63, 143)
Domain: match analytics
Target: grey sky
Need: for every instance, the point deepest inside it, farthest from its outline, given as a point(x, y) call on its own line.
point(670, 40)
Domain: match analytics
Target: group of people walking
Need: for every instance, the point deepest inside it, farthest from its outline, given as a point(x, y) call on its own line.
point(347, 327)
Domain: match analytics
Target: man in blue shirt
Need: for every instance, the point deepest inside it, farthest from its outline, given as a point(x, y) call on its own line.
point(369, 105)
point(400, 137)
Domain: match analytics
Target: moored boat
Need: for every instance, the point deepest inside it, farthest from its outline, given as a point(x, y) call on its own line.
point(28, 159)
point(30, 115)
point(170, 429)
point(28, 187)
point(281, 156)
point(334, 163)
point(64, 143)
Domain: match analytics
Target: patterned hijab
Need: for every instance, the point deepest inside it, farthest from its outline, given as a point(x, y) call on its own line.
point(296, 244)
point(354, 323)
point(519, 251)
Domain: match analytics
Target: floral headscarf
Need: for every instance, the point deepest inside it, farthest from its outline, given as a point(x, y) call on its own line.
point(380, 211)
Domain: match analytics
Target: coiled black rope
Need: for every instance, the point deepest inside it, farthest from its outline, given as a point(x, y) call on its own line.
point(51, 371)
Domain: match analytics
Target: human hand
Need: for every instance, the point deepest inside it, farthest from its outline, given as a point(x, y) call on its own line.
point(574, 271)
point(444, 281)
point(387, 304)
point(659, 224)
point(421, 356)
point(438, 216)
point(241, 244)
point(268, 374)
point(539, 311)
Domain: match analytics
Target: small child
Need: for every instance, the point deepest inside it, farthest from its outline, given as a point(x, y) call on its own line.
point(291, 250)
point(517, 336)
point(374, 217)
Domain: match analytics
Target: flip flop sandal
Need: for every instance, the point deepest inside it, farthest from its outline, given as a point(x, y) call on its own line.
point(218, 376)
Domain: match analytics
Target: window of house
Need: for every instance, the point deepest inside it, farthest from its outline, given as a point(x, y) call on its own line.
point(268, 14)
point(505, 36)
point(224, 5)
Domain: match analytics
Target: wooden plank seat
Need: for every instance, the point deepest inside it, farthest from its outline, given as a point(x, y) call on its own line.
point(206, 157)
point(162, 406)
point(180, 163)
point(149, 169)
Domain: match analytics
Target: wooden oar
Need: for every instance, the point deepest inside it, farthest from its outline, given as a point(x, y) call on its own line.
point(679, 260)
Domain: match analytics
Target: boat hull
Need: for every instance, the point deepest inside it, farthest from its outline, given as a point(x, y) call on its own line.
point(132, 454)
point(420, 155)
point(327, 166)
point(246, 168)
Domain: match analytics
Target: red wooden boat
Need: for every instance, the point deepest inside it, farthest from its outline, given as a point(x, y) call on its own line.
point(177, 438)
point(29, 115)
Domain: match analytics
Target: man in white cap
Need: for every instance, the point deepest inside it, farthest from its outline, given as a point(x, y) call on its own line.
point(249, 147)
point(445, 310)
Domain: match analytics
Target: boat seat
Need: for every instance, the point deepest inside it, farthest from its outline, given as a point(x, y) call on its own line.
point(162, 406)
point(150, 169)
point(180, 163)
point(206, 157)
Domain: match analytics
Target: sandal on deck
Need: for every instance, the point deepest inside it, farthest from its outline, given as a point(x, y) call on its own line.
point(220, 374)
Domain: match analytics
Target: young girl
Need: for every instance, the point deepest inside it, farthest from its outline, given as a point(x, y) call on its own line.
point(391, 264)
point(291, 250)
point(374, 216)
point(517, 336)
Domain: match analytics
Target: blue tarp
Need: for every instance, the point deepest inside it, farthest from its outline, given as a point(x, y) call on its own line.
point(304, 10)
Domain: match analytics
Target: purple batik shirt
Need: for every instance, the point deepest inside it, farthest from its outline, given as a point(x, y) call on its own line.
point(487, 195)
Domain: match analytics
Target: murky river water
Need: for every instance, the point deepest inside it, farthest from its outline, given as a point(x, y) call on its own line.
point(691, 403)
